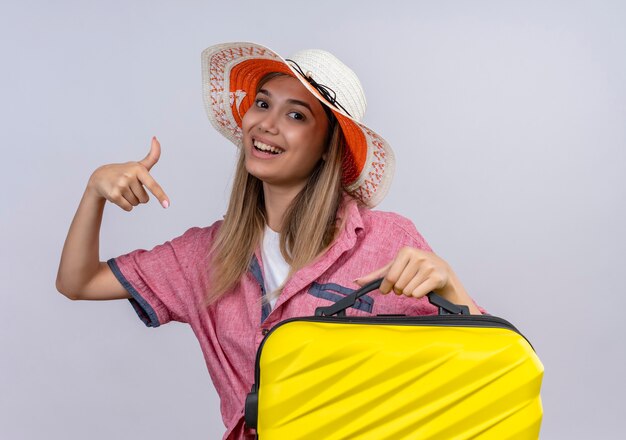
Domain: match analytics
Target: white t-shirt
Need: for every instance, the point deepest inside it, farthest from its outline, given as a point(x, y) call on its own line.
point(274, 265)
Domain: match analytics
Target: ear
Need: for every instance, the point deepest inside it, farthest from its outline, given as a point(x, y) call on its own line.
point(324, 156)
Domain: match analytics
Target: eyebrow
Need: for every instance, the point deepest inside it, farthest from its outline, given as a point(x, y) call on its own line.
point(290, 101)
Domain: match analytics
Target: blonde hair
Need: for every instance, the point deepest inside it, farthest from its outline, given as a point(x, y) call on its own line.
point(308, 224)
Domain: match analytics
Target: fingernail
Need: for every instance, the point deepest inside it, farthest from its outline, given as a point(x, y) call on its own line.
point(165, 204)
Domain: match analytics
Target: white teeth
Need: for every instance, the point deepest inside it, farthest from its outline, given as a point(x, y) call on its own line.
point(264, 147)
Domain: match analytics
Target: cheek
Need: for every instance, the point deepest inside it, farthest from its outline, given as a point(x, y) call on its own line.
point(311, 146)
point(245, 121)
point(247, 124)
point(319, 144)
point(250, 118)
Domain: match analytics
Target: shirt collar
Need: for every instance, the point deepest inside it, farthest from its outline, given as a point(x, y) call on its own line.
point(350, 209)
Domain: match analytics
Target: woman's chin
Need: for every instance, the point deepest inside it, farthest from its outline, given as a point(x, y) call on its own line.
point(273, 181)
point(265, 177)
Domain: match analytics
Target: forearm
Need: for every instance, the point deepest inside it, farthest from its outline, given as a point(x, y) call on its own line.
point(80, 258)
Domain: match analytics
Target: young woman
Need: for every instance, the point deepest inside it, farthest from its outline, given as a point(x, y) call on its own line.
point(299, 231)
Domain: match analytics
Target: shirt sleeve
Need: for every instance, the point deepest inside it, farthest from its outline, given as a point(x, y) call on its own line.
point(158, 279)
point(413, 237)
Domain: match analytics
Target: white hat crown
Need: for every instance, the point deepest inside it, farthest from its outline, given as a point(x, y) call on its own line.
point(326, 69)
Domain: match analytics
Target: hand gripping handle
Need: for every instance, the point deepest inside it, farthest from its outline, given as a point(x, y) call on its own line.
point(339, 308)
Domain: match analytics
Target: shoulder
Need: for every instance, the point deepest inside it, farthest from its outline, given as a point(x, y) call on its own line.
point(391, 225)
point(198, 235)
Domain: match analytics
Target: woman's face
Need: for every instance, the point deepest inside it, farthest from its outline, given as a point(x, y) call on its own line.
point(284, 133)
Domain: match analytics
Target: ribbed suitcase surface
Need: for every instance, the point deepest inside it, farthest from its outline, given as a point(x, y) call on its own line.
point(425, 377)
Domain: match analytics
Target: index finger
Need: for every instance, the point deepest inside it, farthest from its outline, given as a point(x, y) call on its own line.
point(362, 281)
point(148, 181)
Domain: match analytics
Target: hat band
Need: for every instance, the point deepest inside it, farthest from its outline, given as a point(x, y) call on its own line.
point(324, 90)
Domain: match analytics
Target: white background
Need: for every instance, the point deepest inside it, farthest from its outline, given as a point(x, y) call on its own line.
point(508, 120)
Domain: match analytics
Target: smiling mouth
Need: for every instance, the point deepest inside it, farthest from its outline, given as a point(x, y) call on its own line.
point(260, 146)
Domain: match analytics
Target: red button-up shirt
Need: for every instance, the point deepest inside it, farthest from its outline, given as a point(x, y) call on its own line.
point(168, 282)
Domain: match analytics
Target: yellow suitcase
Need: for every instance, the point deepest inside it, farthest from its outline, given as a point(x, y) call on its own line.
point(446, 376)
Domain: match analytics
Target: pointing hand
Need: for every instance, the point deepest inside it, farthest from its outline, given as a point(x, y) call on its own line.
point(123, 183)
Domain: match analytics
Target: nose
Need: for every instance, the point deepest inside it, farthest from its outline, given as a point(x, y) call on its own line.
point(268, 123)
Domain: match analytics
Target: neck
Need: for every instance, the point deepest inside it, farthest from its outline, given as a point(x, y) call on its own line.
point(277, 200)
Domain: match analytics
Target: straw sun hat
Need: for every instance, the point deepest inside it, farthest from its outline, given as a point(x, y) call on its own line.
point(231, 72)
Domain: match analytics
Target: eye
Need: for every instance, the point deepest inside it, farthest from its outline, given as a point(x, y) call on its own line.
point(260, 103)
point(297, 116)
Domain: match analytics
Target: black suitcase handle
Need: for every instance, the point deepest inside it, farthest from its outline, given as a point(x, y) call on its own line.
point(339, 308)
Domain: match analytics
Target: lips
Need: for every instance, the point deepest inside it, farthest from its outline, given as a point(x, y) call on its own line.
point(266, 148)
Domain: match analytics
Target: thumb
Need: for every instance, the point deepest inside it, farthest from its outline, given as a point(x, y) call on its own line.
point(153, 155)
point(378, 273)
